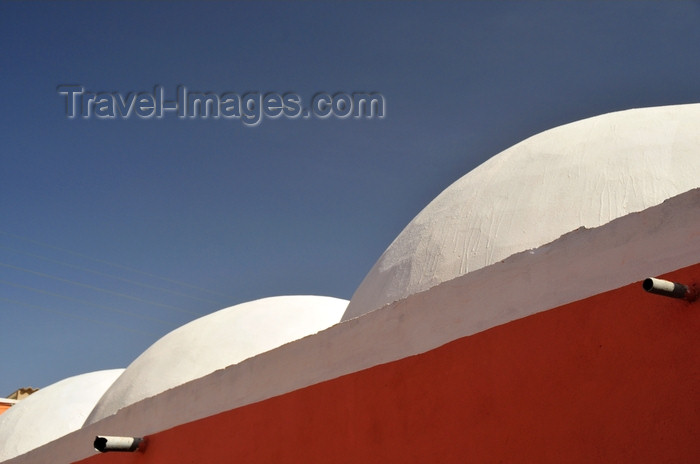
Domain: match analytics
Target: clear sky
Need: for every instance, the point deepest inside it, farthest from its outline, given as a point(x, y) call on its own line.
point(115, 231)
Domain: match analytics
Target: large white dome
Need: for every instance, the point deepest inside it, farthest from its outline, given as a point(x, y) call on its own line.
point(216, 341)
point(583, 174)
point(51, 412)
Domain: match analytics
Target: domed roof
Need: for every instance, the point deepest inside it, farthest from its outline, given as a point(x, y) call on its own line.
point(51, 412)
point(583, 174)
point(216, 341)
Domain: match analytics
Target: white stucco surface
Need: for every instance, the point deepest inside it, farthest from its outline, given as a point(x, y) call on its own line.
point(583, 174)
point(51, 412)
point(216, 341)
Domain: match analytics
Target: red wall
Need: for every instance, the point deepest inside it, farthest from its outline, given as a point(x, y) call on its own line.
point(4, 407)
point(612, 378)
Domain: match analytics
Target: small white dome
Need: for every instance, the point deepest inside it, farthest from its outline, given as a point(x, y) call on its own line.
point(216, 341)
point(583, 174)
point(51, 412)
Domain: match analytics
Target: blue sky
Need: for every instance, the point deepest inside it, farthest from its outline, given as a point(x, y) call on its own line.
point(114, 232)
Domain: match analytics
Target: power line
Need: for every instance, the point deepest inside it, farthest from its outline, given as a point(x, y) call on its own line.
point(66, 313)
point(65, 297)
point(131, 269)
point(123, 295)
point(93, 271)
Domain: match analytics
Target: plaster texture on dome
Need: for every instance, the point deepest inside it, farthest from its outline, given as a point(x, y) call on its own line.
point(582, 174)
point(215, 341)
point(52, 412)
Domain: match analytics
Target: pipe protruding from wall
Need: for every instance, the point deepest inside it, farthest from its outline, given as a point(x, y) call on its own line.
point(668, 288)
point(105, 444)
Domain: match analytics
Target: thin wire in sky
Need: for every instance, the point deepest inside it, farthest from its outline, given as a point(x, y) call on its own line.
point(93, 271)
point(131, 269)
point(76, 316)
point(98, 289)
point(89, 303)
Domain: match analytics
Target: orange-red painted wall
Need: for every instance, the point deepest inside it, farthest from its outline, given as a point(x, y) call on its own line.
point(612, 378)
point(4, 407)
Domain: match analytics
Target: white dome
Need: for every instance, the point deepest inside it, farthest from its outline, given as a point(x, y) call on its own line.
point(583, 174)
point(51, 412)
point(216, 341)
